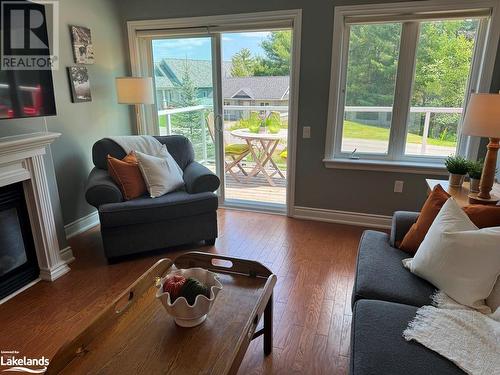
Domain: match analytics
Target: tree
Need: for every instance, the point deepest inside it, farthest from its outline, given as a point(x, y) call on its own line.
point(277, 48)
point(242, 63)
point(372, 64)
point(188, 123)
point(186, 88)
point(443, 60)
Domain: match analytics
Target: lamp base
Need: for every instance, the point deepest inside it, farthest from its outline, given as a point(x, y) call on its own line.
point(474, 199)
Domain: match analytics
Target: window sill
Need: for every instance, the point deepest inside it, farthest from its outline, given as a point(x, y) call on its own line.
point(387, 166)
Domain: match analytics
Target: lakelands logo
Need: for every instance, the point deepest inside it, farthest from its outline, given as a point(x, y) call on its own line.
point(16, 363)
point(29, 35)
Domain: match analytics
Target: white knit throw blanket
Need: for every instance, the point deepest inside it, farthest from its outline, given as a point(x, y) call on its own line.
point(146, 144)
point(468, 338)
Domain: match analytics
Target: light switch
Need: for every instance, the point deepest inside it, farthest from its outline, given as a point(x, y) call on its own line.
point(306, 132)
point(398, 186)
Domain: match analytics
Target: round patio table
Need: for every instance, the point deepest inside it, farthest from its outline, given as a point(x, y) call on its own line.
point(267, 142)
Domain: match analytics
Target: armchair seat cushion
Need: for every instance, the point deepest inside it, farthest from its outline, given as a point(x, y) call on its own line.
point(380, 274)
point(148, 210)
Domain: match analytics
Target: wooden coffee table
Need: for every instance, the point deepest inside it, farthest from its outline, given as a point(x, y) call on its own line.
point(135, 335)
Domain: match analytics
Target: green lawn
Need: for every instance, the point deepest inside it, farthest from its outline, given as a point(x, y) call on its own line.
point(361, 131)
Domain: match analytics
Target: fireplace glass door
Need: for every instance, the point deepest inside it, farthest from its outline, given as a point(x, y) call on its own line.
point(18, 263)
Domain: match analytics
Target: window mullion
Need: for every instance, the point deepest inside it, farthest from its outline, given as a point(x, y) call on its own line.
point(402, 92)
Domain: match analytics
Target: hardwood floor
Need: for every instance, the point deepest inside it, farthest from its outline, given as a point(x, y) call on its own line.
point(314, 263)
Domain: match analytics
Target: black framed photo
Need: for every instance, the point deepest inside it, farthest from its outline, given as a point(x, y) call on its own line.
point(80, 84)
point(83, 49)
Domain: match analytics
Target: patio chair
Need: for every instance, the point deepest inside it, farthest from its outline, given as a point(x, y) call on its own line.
point(235, 152)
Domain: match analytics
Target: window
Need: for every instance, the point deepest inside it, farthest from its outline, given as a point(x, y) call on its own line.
point(444, 56)
point(369, 91)
point(400, 82)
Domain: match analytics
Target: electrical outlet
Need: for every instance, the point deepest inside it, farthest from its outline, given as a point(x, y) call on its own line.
point(398, 186)
point(306, 132)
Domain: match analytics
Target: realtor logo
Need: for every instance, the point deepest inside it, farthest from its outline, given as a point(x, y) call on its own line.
point(30, 35)
point(24, 364)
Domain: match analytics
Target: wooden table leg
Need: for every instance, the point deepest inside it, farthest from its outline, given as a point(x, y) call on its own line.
point(259, 167)
point(269, 157)
point(268, 327)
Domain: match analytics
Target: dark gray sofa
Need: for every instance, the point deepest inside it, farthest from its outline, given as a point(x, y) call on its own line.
point(385, 299)
point(144, 223)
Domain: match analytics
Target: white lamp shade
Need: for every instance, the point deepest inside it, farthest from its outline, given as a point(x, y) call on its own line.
point(135, 90)
point(482, 118)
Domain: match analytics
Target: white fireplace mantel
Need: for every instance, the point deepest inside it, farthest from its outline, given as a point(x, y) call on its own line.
point(21, 160)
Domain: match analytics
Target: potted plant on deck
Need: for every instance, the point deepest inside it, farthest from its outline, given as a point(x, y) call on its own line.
point(475, 171)
point(458, 168)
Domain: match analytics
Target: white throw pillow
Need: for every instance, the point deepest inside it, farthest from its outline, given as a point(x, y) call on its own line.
point(458, 258)
point(161, 173)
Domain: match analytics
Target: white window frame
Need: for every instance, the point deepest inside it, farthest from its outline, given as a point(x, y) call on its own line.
point(480, 80)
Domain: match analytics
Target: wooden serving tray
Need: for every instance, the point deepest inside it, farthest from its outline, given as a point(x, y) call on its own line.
point(135, 335)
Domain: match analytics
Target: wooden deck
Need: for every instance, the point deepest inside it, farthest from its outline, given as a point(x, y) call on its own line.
point(255, 189)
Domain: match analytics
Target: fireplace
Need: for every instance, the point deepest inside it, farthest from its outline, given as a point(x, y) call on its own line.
point(29, 247)
point(18, 262)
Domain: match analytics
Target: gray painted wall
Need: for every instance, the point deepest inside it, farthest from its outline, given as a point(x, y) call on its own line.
point(83, 123)
point(316, 186)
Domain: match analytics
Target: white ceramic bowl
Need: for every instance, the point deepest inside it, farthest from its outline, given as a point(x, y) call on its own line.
point(184, 314)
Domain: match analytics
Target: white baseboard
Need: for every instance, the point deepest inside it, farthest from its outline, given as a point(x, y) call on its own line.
point(82, 224)
point(67, 255)
point(342, 217)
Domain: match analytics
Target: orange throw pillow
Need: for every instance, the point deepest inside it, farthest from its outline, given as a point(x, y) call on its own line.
point(127, 175)
point(483, 216)
point(430, 210)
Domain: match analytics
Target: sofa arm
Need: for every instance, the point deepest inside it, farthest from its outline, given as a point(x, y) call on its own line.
point(401, 224)
point(101, 189)
point(199, 179)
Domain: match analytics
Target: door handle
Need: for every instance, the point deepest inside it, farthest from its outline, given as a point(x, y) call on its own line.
point(219, 123)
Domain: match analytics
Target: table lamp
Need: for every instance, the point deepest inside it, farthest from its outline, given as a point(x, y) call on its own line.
point(482, 119)
point(135, 90)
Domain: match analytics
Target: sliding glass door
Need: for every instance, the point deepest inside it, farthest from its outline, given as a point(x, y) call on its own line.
point(228, 93)
point(183, 73)
point(256, 90)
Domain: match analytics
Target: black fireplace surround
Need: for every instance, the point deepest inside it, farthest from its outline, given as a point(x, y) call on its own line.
point(18, 263)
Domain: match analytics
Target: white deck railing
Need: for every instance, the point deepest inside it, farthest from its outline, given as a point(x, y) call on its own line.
point(284, 109)
point(427, 120)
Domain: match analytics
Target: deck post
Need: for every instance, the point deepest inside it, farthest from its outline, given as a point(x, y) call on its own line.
point(426, 132)
point(204, 135)
point(169, 124)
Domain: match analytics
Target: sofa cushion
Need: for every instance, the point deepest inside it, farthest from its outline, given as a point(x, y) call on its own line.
point(378, 347)
point(380, 274)
point(148, 210)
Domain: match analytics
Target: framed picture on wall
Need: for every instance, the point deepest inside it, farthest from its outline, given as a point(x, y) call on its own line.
point(83, 49)
point(79, 83)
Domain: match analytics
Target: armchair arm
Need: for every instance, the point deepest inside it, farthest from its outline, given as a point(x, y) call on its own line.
point(401, 224)
point(199, 179)
point(101, 189)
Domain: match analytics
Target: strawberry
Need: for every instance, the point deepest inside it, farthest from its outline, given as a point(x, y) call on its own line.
point(173, 285)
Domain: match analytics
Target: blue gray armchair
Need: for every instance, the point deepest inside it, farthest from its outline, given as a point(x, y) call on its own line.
point(144, 223)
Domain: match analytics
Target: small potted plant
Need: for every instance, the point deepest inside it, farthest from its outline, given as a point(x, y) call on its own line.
point(475, 170)
point(458, 168)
